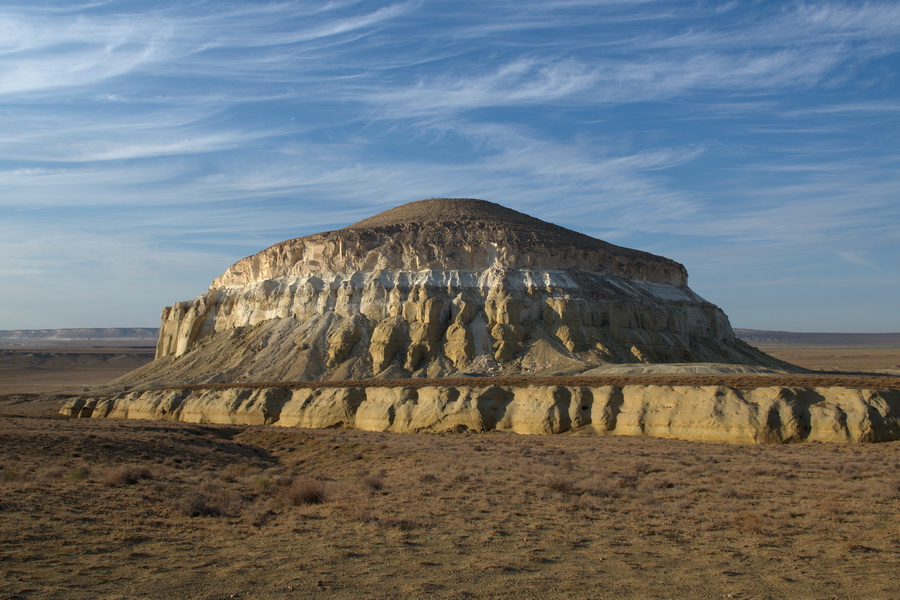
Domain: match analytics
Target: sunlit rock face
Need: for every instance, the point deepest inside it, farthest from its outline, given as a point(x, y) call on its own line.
point(440, 287)
point(702, 413)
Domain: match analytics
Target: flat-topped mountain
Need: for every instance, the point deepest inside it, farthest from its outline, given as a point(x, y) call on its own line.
point(435, 288)
point(444, 288)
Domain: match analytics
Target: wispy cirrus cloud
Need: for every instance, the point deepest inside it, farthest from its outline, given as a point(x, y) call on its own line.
point(206, 130)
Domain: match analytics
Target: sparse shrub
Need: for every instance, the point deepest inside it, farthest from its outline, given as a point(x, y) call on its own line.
point(372, 481)
point(894, 487)
point(643, 467)
point(51, 474)
point(125, 475)
point(562, 485)
point(750, 522)
point(401, 524)
point(11, 474)
point(258, 514)
point(729, 492)
point(629, 480)
point(77, 474)
point(262, 484)
point(365, 515)
point(195, 504)
point(210, 501)
point(236, 471)
point(305, 490)
point(428, 478)
point(602, 491)
point(831, 509)
point(852, 471)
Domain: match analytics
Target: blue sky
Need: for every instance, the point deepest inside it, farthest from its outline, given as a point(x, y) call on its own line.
point(146, 146)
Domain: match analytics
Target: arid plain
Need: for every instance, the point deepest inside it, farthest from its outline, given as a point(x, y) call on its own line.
point(104, 508)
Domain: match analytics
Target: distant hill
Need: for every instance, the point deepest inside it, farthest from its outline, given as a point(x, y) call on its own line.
point(84, 333)
point(789, 338)
point(751, 336)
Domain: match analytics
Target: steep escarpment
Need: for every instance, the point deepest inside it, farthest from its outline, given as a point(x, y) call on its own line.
point(435, 288)
point(707, 413)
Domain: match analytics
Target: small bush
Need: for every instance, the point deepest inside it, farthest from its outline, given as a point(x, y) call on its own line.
point(11, 474)
point(629, 480)
point(77, 474)
point(258, 514)
point(563, 485)
point(236, 471)
point(195, 504)
point(125, 475)
point(372, 481)
point(401, 524)
point(729, 492)
point(210, 503)
point(750, 522)
point(305, 490)
point(428, 478)
point(51, 474)
point(262, 484)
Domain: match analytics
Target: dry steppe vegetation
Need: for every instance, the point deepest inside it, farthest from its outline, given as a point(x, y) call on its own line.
point(104, 508)
point(114, 509)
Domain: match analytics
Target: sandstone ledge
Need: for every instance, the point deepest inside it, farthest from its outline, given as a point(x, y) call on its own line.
point(689, 412)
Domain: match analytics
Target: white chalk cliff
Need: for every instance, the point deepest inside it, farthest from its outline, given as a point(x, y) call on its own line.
point(436, 288)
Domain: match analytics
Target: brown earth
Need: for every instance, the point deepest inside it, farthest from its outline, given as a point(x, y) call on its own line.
point(103, 508)
point(67, 367)
point(839, 358)
point(120, 509)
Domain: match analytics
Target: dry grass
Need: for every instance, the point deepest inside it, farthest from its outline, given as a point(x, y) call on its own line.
point(174, 510)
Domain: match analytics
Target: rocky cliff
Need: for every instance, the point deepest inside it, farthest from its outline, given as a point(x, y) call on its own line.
point(435, 288)
point(706, 413)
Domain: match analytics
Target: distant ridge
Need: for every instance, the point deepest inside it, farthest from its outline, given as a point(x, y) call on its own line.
point(83, 333)
point(788, 338)
point(752, 336)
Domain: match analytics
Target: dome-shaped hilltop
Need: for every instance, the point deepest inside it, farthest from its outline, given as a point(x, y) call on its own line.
point(451, 233)
point(450, 210)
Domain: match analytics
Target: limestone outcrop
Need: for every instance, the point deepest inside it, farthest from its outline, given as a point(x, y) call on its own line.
point(437, 288)
point(707, 413)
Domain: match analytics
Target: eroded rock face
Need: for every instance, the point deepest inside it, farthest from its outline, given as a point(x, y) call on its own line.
point(703, 413)
point(439, 287)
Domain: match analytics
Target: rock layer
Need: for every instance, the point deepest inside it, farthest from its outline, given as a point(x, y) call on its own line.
point(707, 413)
point(436, 288)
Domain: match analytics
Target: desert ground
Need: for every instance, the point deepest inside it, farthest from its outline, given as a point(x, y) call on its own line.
point(46, 367)
point(97, 508)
